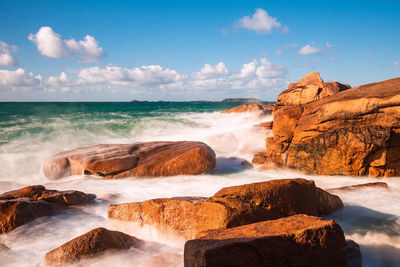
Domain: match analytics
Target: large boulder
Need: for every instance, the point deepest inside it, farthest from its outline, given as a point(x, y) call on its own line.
point(149, 159)
point(298, 240)
point(91, 244)
point(352, 132)
point(229, 207)
point(26, 204)
point(310, 88)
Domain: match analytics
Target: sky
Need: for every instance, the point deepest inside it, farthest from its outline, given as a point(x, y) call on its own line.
point(190, 50)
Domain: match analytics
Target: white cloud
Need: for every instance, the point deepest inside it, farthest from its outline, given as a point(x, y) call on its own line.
point(310, 50)
point(396, 63)
point(6, 59)
point(261, 23)
point(332, 59)
point(279, 52)
point(258, 74)
point(209, 71)
point(19, 80)
point(88, 50)
point(151, 75)
point(49, 43)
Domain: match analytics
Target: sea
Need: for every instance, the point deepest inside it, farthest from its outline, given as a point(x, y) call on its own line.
point(31, 132)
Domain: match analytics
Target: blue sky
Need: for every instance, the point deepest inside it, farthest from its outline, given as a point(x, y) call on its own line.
point(190, 50)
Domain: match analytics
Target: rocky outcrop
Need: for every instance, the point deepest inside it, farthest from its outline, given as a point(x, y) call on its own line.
point(299, 240)
point(149, 159)
point(376, 185)
point(91, 244)
point(254, 108)
point(352, 132)
point(26, 204)
point(229, 207)
point(310, 88)
point(243, 100)
point(265, 125)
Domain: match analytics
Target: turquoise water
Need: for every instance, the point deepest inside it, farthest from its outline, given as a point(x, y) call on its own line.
point(31, 132)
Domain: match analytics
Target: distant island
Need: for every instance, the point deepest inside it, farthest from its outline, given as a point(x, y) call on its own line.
point(249, 100)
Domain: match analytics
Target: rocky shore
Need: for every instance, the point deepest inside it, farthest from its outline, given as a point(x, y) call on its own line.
point(318, 127)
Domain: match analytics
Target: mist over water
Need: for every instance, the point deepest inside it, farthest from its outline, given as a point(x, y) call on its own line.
point(30, 132)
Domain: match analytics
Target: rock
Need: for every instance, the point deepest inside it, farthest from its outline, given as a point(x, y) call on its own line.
point(352, 132)
point(269, 107)
point(91, 244)
point(248, 108)
point(265, 125)
point(377, 185)
point(149, 159)
point(353, 253)
point(298, 240)
point(229, 207)
point(26, 204)
point(310, 88)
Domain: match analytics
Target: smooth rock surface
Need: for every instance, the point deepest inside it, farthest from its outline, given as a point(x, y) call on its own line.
point(248, 108)
point(90, 244)
point(149, 159)
point(23, 205)
point(229, 207)
point(298, 240)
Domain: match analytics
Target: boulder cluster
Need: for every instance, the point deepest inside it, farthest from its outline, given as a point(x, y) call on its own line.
point(332, 129)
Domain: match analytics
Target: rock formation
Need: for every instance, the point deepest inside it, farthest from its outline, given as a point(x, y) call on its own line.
point(26, 204)
point(298, 240)
point(376, 185)
point(91, 244)
point(352, 132)
point(229, 207)
point(255, 108)
point(140, 159)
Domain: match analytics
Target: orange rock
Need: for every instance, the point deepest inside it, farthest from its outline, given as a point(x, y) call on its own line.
point(26, 204)
point(248, 108)
point(265, 125)
point(310, 88)
point(352, 132)
point(298, 240)
point(141, 159)
point(91, 244)
point(229, 207)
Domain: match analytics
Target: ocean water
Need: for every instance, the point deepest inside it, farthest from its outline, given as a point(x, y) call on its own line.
point(30, 132)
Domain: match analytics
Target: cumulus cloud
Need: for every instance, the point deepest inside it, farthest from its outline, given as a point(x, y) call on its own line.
point(6, 58)
point(50, 44)
point(258, 74)
point(310, 50)
point(396, 63)
point(329, 45)
point(145, 75)
point(261, 23)
point(19, 80)
point(209, 71)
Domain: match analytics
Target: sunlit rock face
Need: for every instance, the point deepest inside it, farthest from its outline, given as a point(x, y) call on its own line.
point(91, 244)
point(298, 240)
point(352, 132)
point(150, 159)
point(229, 207)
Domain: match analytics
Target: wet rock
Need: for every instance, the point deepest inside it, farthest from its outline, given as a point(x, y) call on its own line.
point(91, 244)
point(265, 125)
point(149, 159)
point(353, 253)
point(248, 108)
point(351, 132)
point(229, 207)
point(298, 240)
point(23, 205)
point(376, 185)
